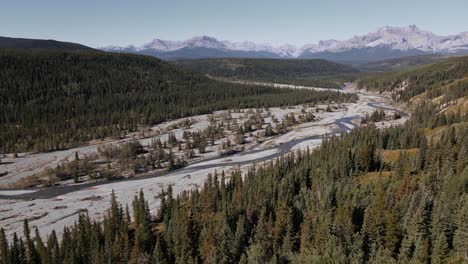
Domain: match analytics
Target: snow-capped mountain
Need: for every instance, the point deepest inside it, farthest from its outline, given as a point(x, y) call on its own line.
point(206, 42)
point(129, 48)
point(396, 38)
point(163, 45)
point(384, 43)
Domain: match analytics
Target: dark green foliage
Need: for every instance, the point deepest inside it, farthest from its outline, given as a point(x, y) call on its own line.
point(399, 64)
point(376, 116)
point(341, 203)
point(39, 44)
point(441, 78)
point(315, 207)
point(55, 100)
point(319, 73)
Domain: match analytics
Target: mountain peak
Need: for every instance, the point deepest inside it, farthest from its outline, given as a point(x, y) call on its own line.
point(389, 39)
point(401, 30)
point(162, 45)
point(203, 37)
point(205, 42)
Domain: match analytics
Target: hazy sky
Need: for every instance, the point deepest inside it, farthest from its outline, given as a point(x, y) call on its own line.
point(104, 22)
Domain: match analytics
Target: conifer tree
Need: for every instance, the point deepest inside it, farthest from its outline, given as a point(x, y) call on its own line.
point(4, 248)
point(440, 250)
point(261, 248)
point(460, 240)
point(158, 256)
point(32, 255)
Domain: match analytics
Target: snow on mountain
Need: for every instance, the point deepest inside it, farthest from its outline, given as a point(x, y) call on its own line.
point(287, 50)
point(119, 49)
point(396, 38)
point(322, 46)
point(399, 38)
point(163, 45)
point(454, 43)
point(402, 39)
point(204, 42)
point(211, 43)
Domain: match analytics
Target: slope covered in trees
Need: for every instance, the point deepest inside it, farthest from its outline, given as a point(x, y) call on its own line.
point(400, 64)
point(396, 195)
point(54, 100)
point(39, 44)
point(371, 196)
point(319, 73)
point(447, 78)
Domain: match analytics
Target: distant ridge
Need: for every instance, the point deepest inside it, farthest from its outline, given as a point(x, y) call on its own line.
point(39, 44)
point(316, 72)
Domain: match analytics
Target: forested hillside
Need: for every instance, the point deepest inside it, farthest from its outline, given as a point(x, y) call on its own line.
point(400, 64)
point(39, 44)
point(51, 100)
point(396, 195)
point(319, 73)
point(447, 79)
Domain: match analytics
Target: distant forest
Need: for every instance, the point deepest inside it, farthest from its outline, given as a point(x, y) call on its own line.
point(448, 78)
point(40, 44)
point(314, 72)
point(400, 64)
point(392, 195)
point(52, 100)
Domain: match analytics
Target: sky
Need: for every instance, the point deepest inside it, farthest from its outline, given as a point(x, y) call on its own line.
point(98, 23)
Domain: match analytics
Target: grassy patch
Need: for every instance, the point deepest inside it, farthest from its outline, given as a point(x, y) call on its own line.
point(391, 156)
point(461, 106)
point(436, 133)
point(372, 177)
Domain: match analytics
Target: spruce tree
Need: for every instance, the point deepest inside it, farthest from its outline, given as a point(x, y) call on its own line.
point(440, 250)
point(158, 256)
point(4, 248)
point(460, 240)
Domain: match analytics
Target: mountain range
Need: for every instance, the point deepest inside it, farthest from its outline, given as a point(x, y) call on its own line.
point(385, 43)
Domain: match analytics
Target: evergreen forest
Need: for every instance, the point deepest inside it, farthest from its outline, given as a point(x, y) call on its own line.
point(392, 195)
point(51, 100)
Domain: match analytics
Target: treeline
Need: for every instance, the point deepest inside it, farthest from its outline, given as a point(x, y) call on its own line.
point(317, 72)
point(446, 78)
point(371, 196)
point(52, 100)
point(40, 44)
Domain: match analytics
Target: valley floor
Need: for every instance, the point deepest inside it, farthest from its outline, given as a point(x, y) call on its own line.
point(56, 207)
